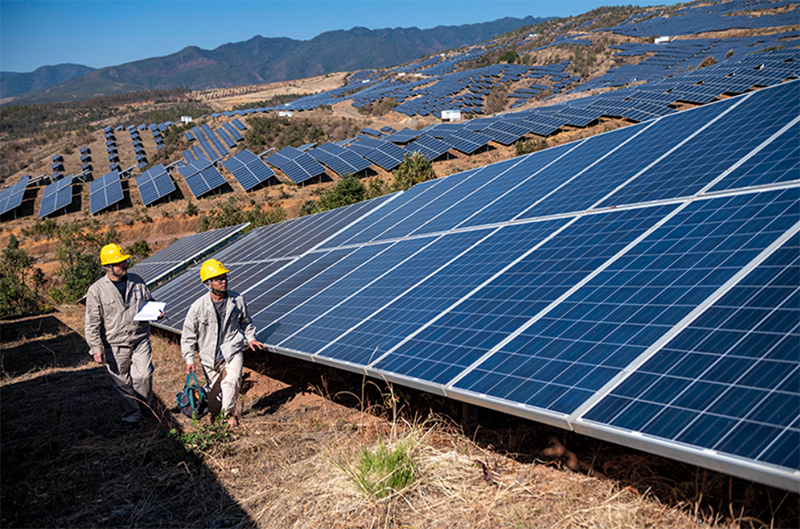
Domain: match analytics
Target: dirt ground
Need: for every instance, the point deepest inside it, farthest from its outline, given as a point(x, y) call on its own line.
point(66, 462)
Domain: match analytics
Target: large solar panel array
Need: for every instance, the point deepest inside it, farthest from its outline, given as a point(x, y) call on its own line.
point(104, 192)
point(248, 169)
point(11, 197)
point(298, 166)
point(154, 184)
point(639, 286)
point(56, 196)
point(187, 250)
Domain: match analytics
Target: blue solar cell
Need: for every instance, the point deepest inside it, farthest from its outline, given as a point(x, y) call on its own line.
point(154, 184)
point(248, 169)
point(11, 197)
point(532, 180)
point(779, 161)
point(746, 342)
point(56, 196)
point(204, 181)
point(330, 287)
point(296, 165)
point(605, 325)
point(387, 311)
point(104, 192)
point(715, 149)
point(482, 321)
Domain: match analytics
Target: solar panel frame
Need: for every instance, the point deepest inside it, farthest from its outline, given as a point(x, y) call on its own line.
point(105, 192)
point(56, 196)
point(11, 197)
point(154, 184)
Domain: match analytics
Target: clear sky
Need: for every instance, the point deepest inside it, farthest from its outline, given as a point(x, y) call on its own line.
point(102, 33)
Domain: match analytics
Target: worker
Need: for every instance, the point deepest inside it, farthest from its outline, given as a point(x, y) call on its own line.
point(116, 339)
point(218, 326)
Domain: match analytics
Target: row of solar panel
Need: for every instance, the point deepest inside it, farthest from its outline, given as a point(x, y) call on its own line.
point(639, 285)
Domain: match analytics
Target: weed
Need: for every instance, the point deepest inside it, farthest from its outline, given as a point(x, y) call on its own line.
point(203, 437)
point(380, 472)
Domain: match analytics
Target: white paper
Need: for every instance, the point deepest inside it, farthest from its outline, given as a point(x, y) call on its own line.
point(151, 311)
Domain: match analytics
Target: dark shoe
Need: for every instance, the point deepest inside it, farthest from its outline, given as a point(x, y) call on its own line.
point(128, 426)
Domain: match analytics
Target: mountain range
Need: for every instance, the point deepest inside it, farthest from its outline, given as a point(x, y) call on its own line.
point(259, 60)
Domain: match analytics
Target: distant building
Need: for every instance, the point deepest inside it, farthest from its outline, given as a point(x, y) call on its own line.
point(186, 119)
point(451, 115)
point(661, 40)
point(284, 114)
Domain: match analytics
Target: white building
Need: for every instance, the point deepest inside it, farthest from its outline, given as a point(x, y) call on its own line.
point(186, 119)
point(451, 115)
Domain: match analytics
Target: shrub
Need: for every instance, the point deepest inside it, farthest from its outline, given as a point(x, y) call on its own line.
point(191, 209)
point(77, 253)
point(528, 146)
point(20, 282)
point(414, 169)
point(230, 214)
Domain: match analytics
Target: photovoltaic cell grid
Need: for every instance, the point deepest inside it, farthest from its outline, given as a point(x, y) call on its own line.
point(11, 197)
point(666, 319)
point(104, 192)
point(258, 254)
point(56, 196)
point(186, 250)
point(154, 184)
point(340, 160)
point(298, 166)
point(248, 169)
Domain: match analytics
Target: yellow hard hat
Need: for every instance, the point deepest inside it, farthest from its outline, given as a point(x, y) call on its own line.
point(210, 269)
point(112, 254)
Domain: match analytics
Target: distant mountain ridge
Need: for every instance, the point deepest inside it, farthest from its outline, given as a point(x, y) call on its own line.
point(13, 83)
point(266, 60)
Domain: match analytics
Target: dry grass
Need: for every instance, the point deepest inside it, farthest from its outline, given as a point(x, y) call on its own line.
point(66, 463)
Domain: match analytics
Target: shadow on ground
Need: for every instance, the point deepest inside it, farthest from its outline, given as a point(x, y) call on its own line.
point(67, 462)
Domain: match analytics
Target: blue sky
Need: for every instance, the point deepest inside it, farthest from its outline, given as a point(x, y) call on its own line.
point(106, 32)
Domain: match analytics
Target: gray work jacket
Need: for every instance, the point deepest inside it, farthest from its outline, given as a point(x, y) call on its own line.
point(109, 317)
point(200, 329)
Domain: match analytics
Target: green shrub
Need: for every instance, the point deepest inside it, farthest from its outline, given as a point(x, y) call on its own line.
point(528, 146)
point(202, 437)
point(20, 282)
point(414, 169)
point(231, 214)
point(78, 255)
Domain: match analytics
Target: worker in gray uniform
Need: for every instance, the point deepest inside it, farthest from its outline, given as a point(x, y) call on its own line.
point(114, 337)
point(219, 328)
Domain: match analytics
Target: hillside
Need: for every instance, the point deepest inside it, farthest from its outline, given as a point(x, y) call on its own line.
point(532, 96)
point(13, 83)
point(267, 60)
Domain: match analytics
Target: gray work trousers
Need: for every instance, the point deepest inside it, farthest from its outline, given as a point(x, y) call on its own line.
point(222, 393)
point(131, 371)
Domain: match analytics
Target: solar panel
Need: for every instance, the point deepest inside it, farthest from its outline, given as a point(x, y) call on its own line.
point(235, 134)
point(429, 146)
point(340, 160)
point(297, 166)
point(186, 250)
point(11, 197)
point(467, 141)
point(638, 286)
point(248, 169)
point(105, 192)
point(385, 155)
point(267, 250)
point(56, 196)
point(222, 133)
point(204, 181)
point(154, 184)
point(238, 124)
point(404, 136)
